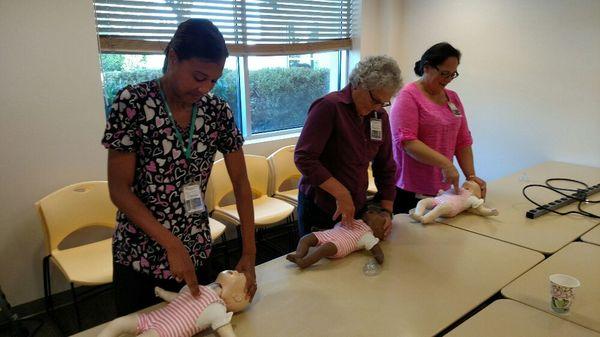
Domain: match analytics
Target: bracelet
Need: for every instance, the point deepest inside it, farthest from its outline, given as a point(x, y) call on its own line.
point(471, 176)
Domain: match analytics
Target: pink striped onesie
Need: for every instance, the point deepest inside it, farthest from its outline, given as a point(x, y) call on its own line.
point(348, 239)
point(179, 317)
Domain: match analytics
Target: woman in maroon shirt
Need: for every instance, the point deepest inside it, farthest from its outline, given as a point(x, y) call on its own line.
point(345, 131)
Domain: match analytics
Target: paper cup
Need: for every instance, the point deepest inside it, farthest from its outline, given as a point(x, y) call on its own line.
point(562, 292)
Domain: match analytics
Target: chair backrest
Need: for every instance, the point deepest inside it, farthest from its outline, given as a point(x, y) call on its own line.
point(219, 183)
point(258, 174)
point(75, 207)
point(282, 167)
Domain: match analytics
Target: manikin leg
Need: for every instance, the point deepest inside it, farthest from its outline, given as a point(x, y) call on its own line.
point(436, 212)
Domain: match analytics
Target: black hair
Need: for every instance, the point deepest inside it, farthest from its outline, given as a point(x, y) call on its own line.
point(436, 55)
point(197, 38)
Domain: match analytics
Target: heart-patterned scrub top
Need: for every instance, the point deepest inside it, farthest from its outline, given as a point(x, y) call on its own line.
point(139, 122)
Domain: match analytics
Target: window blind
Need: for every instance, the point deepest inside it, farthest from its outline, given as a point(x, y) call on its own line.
point(249, 26)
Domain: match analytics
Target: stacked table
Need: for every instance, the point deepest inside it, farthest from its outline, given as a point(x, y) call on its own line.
point(434, 275)
point(593, 236)
point(509, 318)
point(578, 259)
point(546, 234)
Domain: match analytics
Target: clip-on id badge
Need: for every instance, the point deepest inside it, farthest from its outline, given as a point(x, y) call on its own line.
point(192, 198)
point(376, 131)
point(454, 109)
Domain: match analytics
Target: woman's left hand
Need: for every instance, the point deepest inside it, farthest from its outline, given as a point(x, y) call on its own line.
point(481, 184)
point(246, 265)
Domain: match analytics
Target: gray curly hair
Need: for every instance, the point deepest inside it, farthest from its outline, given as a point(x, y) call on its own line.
point(377, 72)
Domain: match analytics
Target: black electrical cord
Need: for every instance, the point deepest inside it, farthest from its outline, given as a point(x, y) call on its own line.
point(579, 196)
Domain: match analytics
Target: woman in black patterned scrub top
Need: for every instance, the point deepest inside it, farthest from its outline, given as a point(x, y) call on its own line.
point(162, 137)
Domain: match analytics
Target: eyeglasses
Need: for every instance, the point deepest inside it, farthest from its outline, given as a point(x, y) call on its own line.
point(378, 102)
point(447, 74)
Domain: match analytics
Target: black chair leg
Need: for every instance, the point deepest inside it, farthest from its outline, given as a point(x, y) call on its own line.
point(226, 249)
point(76, 307)
point(47, 286)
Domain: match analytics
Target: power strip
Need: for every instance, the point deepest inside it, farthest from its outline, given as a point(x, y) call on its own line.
point(564, 201)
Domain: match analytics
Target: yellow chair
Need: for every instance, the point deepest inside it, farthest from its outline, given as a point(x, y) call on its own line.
point(267, 210)
point(284, 174)
point(65, 211)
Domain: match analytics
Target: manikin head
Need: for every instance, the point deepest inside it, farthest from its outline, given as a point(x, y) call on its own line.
point(472, 187)
point(233, 285)
point(375, 218)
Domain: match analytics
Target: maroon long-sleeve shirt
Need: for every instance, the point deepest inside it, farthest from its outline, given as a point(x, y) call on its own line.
point(336, 141)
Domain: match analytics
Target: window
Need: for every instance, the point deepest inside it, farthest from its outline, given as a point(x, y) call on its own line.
point(285, 54)
point(283, 87)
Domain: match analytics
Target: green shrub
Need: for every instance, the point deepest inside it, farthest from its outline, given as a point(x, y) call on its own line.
point(279, 97)
point(116, 80)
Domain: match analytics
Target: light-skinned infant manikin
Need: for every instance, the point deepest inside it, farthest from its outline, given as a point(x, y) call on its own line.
point(342, 240)
point(185, 315)
point(448, 204)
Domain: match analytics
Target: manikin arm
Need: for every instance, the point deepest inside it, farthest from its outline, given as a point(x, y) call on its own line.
point(377, 253)
point(167, 296)
point(216, 316)
point(225, 331)
point(484, 211)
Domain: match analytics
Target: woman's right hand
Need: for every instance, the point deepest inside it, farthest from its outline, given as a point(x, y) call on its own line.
point(345, 207)
point(181, 266)
point(451, 176)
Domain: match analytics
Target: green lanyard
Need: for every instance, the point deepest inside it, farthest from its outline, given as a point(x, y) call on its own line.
point(192, 127)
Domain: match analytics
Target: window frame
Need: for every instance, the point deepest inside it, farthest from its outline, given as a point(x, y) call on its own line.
point(260, 28)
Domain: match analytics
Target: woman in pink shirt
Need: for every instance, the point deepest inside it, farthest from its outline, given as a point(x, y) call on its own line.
point(429, 129)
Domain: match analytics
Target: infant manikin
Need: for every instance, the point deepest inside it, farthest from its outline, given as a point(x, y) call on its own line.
point(342, 240)
point(185, 315)
point(448, 204)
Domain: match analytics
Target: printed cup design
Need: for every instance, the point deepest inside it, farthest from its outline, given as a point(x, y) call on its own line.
point(562, 292)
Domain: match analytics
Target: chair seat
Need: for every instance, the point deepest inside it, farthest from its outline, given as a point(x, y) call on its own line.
point(267, 210)
point(290, 195)
point(89, 264)
point(216, 228)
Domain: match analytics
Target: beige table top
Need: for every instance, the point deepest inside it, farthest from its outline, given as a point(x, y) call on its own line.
point(578, 259)
point(547, 233)
point(509, 318)
point(593, 236)
point(432, 276)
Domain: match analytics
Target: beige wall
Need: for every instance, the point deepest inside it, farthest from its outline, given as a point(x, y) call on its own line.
point(529, 80)
point(52, 119)
point(529, 76)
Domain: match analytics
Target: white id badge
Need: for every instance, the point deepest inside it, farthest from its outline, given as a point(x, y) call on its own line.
point(454, 109)
point(376, 133)
point(192, 198)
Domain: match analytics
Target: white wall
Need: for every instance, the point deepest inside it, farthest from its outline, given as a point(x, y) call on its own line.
point(52, 122)
point(529, 76)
